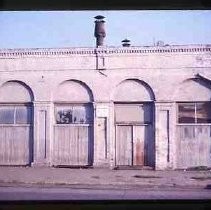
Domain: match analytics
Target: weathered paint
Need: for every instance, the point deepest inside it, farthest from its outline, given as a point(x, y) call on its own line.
point(134, 145)
point(72, 145)
point(15, 145)
point(42, 134)
point(138, 145)
point(165, 75)
point(164, 134)
point(123, 145)
point(193, 146)
point(101, 141)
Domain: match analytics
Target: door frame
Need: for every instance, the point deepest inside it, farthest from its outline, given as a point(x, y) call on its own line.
point(90, 140)
point(152, 124)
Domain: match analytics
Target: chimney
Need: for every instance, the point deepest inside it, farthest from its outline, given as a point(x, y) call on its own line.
point(126, 43)
point(99, 30)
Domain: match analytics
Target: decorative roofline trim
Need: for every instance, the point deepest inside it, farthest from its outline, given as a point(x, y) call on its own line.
point(40, 52)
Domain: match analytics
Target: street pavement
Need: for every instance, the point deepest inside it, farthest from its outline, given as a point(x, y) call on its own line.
point(61, 193)
point(30, 183)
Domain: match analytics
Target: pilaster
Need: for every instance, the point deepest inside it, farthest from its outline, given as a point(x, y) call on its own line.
point(42, 133)
point(164, 135)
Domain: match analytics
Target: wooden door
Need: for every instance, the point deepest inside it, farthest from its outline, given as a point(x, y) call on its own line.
point(72, 145)
point(193, 146)
point(15, 145)
point(16, 135)
point(131, 145)
point(124, 145)
point(134, 134)
point(73, 135)
point(138, 145)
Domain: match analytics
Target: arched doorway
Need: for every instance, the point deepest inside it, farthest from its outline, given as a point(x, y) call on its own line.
point(16, 124)
point(73, 128)
point(134, 124)
point(193, 118)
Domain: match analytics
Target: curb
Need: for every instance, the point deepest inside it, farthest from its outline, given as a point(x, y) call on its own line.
point(105, 186)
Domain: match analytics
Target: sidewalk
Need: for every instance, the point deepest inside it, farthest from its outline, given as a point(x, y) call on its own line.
point(103, 178)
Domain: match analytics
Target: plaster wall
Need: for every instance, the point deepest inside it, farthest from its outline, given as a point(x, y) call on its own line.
point(163, 72)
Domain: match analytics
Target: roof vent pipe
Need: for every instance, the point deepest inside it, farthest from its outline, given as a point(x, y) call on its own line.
point(160, 43)
point(99, 30)
point(126, 43)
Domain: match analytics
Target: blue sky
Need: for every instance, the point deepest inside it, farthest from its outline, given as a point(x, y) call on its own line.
point(37, 29)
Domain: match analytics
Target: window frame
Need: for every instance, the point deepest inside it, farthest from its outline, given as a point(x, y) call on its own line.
point(71, 105)
point(195, 113)
point(15, 105)
point(147, 103)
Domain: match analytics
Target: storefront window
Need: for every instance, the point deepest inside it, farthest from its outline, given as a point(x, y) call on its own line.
point(78, 114)
point(197, 112)
point(15, 114)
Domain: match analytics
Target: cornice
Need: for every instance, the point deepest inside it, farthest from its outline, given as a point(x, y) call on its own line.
point(55, 52)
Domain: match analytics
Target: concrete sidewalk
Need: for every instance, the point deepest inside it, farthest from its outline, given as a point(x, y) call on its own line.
point(103, 178)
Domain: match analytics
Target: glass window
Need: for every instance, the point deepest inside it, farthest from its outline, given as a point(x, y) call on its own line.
point(203, 112)
point(23, 115)
point(186, 113)
point(198, 112)
point(89, 113)
point(74, 114)
point(79, 114)
point(7, 115)
point(64, 115)
point(15, 115)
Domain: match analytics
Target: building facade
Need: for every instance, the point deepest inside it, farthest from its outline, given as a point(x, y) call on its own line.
point(106, 107)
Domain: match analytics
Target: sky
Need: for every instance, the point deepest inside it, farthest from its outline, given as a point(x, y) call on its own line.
point(52, 29)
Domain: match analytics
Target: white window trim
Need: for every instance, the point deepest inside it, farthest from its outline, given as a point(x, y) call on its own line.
point(195, 116)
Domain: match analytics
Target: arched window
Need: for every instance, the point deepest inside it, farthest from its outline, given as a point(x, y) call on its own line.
point(134, 124)
point(73, 129)
point(16, 115)
point(193, 140)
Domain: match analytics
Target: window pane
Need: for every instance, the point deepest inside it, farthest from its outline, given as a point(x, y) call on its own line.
point(148, 113)
point(133, 113)
point(75, 114)
point(203, 112)
point(186, 113)
point(64, 115)
point(23, 115)
point(79, 114)
point(89, 113)
point(6, 115)
point(82, 114)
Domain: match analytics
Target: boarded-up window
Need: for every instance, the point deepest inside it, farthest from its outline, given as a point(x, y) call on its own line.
point(69, 114)
point(197, 112)
point(140, 113)
point(15, 114)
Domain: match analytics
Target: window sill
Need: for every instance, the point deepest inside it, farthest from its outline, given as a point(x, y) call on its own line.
point(72, 125)
point(193, 124)
point(132, 123)
point(15, 125)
